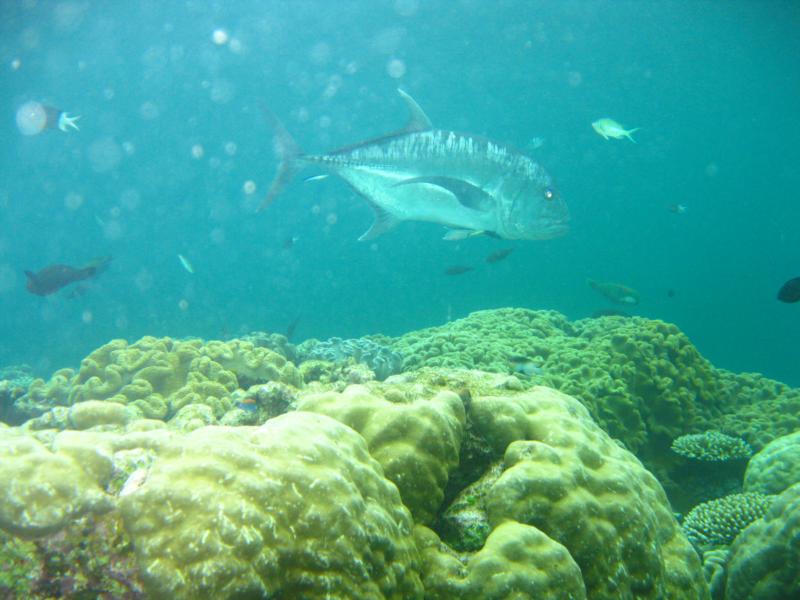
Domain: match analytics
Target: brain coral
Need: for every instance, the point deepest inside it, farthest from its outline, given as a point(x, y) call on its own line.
point(42, 491)
point(776, 467)
point(158, 376)
point(566, 477)
point(764, 561)
point(296, 508)
point(417, 443)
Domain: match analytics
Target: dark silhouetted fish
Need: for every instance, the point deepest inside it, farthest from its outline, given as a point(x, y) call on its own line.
point(292, 328)
point(424, 174)
point(51, 279)
point(498, 255)
point(790, 291)
point(458, 270)
point(615, 292)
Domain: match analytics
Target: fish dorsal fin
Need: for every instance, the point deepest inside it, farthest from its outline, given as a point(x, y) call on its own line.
point(418, 121)
point(383, 222)
point(467, 194)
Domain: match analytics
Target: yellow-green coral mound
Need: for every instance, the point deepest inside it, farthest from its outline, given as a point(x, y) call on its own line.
point(569, 479)
point(417, 443)
point(159, 376)
point(764, 560)
point(517, 561)
point(294, 509)
point(640, 379)
point(42, 491)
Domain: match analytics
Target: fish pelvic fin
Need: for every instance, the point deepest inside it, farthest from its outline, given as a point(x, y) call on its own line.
point(629, 132)
point(288, 153)
point(384, 221)
point(418, 121)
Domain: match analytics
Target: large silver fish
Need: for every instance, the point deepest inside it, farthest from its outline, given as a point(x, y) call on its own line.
point(419, 173)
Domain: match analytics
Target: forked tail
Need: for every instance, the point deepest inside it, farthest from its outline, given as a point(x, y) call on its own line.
point(288, 152)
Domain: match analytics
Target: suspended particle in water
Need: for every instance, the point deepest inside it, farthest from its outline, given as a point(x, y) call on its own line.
point(73, 201)
point(249, 186)
point(396, 68)
point(149, 111)
point(235, 46)
point(331, 218)
point(16, 64)
point(31, 118)
point(406, 8)
point(218, 235)
point(183, 304)
point(87, 316)
point(220, 37)
point(230, 148)
point(197, 151)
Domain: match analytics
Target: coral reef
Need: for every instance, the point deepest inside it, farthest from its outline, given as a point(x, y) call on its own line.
point(221, 469)
point(295, 508)
point(569, 479)
point(517, 561)
point(764, 559)
point(718, 522)
point(159, 376)
point(776, 467)
point(712, 446)
point(380, 359)
point(417, 443)
point(641, 380)
point(43, 491)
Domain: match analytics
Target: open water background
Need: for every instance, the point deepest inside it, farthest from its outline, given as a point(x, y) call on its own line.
point(171, 133)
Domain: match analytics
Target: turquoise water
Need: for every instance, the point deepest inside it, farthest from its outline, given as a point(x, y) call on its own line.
point(170, 133)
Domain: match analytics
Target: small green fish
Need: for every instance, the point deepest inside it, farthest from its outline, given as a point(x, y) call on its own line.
point(609, 128)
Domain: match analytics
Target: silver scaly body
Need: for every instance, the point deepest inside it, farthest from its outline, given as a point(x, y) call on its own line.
point(457, 180)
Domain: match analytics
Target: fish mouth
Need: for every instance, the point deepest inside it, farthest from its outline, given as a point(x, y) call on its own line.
point(551, 230)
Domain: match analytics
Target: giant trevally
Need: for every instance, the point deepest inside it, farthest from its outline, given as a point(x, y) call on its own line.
point(419, 173)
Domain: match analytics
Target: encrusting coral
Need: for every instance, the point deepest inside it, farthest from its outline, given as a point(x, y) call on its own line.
point(765, 558)
point(776, 467)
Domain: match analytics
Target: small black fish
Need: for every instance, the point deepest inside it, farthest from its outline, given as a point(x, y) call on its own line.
point(670, 293)
point(458, 270)
point(790, 291)
point(498, 255)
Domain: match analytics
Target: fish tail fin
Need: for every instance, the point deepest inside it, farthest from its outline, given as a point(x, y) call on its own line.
point(630, 131)
point(288, 151)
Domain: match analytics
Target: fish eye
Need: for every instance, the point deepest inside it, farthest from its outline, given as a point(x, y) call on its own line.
point(549, 194)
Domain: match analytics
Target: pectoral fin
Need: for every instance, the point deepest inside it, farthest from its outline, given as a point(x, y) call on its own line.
point(466, 193)
point(383, 222)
